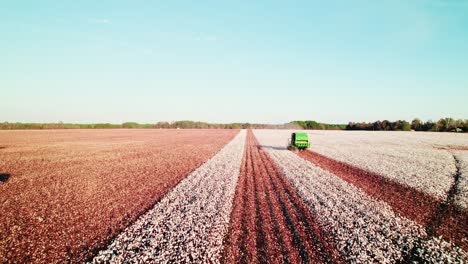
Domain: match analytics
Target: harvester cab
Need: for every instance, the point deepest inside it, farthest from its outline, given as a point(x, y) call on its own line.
point(298, 141)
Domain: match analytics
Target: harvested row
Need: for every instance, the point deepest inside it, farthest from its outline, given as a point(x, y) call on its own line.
point(364, 229)
point(69, 192)
point(269, 222)
point(189, 223)
point(439, 218)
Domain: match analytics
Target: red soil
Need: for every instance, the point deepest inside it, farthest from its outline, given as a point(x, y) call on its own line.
point(71, 191)
point(439, 217)
point(270, 222)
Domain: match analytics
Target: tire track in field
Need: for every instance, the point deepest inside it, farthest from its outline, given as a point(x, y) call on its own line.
point(447, 217)
point(440, 218)
point(270, 222)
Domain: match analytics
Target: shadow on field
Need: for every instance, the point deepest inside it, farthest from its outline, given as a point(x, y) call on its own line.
point(4, 177)
point(274, 147)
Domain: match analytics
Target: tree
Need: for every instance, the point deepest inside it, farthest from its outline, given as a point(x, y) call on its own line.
point(386, 125)
point(377, 125)
point(459, 124)
point(442, 125)
point(429, 126)
point(450, 124)
point(405, 126)
point(416, 124)
point(350, 126)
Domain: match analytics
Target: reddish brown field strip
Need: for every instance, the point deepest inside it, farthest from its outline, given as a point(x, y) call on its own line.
point(270, 222)
point(66, 193)
point(439, 218)
point(452, 148)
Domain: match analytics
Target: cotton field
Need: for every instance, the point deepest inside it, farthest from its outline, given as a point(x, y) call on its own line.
point(233, 196)
point(365, 228)
point(425, 161)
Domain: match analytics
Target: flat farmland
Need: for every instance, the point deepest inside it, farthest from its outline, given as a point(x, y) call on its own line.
point(69, 191)
point(376, 211)
point(425, 161)
point(229, 196)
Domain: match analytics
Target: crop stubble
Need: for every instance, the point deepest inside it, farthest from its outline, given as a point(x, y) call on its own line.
point(70, 192)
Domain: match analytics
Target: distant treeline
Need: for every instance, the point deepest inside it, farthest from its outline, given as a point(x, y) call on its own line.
point(443, 125)
point(310, 124)
point(176, 124)
point(196, 124)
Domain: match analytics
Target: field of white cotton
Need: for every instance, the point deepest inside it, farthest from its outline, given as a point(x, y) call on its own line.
point(423, 160)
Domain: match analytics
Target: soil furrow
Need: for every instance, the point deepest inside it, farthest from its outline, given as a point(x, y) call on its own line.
point(267, 251)
point(294, 222)
point(285, 230)
point(250, 240)
point(440, 218)
point(285, 236)
point(312, 238)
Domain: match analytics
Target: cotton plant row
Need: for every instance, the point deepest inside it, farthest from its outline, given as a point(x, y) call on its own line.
point(364, 229)
point(189, 223)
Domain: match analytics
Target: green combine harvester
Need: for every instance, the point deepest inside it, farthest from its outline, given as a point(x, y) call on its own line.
point(298, 141)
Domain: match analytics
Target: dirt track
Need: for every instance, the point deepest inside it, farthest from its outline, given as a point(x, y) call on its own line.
point(270, 222)
point(439, 218)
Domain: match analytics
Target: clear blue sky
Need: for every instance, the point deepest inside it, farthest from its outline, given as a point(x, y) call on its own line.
point(226, 61)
